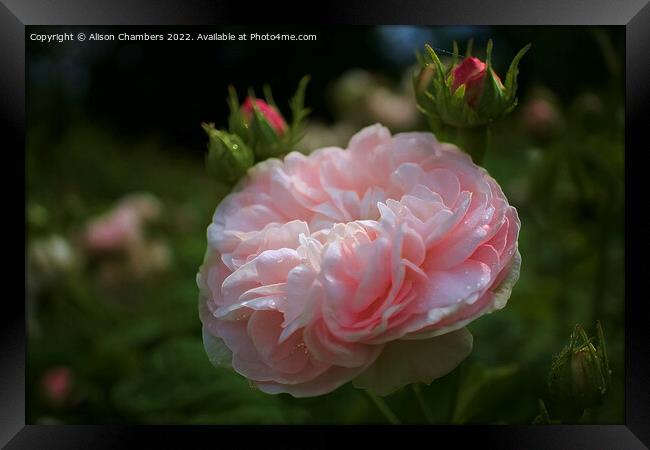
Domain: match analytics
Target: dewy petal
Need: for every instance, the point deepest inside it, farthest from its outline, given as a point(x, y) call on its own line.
point(442, 320)
point(462, 284)
point(415, 361)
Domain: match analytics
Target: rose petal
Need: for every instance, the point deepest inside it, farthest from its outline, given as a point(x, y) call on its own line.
point(421, 361)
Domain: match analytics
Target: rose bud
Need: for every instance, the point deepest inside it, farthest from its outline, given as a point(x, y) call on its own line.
point(471, 74)
point(580, 375)
point(256, 131)
point(466, 94)
point(268, 112)
point(56, 384)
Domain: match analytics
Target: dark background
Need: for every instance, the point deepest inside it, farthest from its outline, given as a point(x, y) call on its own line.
point(169, 87)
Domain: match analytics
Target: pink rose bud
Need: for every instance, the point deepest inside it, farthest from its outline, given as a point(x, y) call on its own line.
point(470, 72)
point(56, 383)
point(271, 114)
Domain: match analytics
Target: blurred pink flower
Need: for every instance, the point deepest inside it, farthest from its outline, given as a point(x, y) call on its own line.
point(56, 383)
point(361, 265)
point(115, 231)
point(122, 227)
point(271, 114)
point(539, 116)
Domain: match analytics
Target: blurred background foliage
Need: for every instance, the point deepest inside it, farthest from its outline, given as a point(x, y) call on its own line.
point(118, 203)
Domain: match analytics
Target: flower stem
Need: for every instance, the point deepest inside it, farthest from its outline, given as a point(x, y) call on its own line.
point(417, 390)
point(383, 408)
point(475, 141)
point(451, 419)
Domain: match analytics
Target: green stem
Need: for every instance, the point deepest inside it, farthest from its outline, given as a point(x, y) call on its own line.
point(455, 394)
point(383, 408)
point(423, 404)
point(473, 141)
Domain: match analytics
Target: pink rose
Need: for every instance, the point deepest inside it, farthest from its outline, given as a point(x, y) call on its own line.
point(470, 72)
point(360, 265)
point(271, 114)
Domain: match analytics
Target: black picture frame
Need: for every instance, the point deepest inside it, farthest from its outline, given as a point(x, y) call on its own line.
point(634, 15)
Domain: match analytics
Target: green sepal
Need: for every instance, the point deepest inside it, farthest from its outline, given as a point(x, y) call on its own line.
point(470, 47)
point(439, 73)
point(265, 141)
point(298, 113)
point(513, 71)
point(492, 103)
point(236, 122)
point(228, 158)
point(454, 57)
point(268, 96)
point(602, 349)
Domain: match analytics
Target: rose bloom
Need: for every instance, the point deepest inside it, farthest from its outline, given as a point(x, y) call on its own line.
point(361, 265)
point(271, 114)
